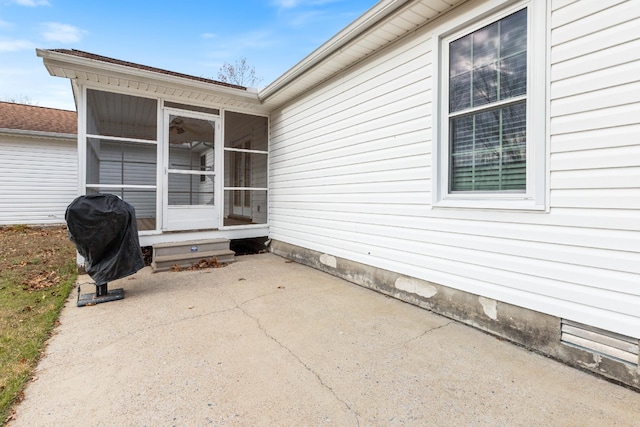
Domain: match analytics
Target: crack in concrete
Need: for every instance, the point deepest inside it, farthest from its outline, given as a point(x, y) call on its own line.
point(129, 334)
point(429, 331)
point(307, 367)
point(182, 319)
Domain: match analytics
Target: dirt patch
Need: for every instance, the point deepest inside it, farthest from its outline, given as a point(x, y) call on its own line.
point(202, 264)
point(32, 254)
point(147, 255)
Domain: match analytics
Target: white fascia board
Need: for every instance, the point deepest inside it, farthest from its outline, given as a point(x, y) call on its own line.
point(38, 134)
point(370, 18)
point(61, 60)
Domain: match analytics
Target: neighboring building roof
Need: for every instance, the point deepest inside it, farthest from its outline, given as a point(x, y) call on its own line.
point(101, 58)
point(32, 118)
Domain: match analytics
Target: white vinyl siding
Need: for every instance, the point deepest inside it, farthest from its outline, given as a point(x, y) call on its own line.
point(38, 179)
point(595, 107)
point(350, 175)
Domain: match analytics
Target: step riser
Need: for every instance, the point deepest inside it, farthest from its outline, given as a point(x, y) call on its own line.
point(192, 248)
point(163, 249)
point(185, 254)
point(167, 265)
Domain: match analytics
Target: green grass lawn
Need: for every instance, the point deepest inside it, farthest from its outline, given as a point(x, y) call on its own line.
point(37, 272)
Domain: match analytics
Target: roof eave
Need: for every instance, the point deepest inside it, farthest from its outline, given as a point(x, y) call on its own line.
point(57, 61)
point(369, 19)
point(39, 134)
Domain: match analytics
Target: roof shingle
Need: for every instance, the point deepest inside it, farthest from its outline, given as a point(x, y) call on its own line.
point(42, 119)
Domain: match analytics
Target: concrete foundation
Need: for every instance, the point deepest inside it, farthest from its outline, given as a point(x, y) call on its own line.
point(536, 331)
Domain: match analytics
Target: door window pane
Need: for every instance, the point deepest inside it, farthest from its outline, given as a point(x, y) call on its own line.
point(189, 190)
point(191, 174)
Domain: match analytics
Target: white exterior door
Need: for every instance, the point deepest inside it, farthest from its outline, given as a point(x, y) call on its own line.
point(189, 201)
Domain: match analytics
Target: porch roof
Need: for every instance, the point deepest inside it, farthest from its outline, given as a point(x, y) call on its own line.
point(89, 67)
point(95, 57)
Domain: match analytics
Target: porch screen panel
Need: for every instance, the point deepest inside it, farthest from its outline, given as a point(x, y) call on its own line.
point(245, 169)
point(118, 115)
point(118, 162)
point(253, 212)
point(249, 169)
point(142, 200)
point(122, 151)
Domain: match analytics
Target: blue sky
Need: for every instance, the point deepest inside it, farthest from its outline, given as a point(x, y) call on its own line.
point(187, 36)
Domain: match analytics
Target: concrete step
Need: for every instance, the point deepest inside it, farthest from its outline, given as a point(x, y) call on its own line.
point(185, 254)
point(190, 246)
point(165, 263)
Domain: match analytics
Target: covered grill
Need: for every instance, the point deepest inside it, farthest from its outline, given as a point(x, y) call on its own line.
point(103, 228)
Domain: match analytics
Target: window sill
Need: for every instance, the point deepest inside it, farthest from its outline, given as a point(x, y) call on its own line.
point(490, 204)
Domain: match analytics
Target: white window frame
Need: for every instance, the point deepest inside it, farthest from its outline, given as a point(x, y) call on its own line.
point(470, 19)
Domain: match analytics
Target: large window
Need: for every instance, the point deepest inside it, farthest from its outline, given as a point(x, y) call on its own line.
point(487, 107)
point(491, 123)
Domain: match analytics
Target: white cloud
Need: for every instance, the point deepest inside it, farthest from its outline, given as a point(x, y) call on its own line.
point(255, 40)
point(32, 3)
point(302, 13)
point(234, 46)
point(63, 33)
point(303, 19)
point(285, 4)
point(8, 45)
point(290, 4)
point(5, 24)
point(209, 36)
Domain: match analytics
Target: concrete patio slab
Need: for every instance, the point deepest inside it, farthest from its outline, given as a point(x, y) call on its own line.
point(267, 342)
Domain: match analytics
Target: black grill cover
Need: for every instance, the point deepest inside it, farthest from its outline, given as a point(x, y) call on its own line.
point(103, 228)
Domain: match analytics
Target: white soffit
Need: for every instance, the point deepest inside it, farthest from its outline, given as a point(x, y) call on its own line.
point(81, 69)
point(381, 25)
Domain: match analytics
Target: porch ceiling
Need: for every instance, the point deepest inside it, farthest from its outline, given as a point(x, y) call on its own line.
point(386, 22)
